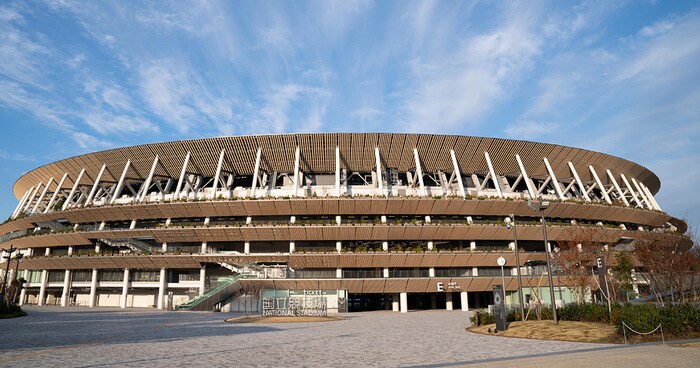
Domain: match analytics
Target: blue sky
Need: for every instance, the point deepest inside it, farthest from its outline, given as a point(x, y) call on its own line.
point(617, 77)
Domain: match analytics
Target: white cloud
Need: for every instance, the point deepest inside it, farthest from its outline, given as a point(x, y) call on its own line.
point(88, 142)
point(530, 130)
point(459, 88)
point(180, 98)
point(9, 156)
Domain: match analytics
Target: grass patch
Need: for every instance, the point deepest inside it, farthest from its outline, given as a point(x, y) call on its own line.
point(565, 331)
point(285, 319)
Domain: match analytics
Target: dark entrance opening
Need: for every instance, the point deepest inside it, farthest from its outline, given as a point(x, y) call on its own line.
point(367, 302)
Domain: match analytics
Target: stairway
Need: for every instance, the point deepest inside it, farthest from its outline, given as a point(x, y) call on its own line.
point(135, 245)
point(211, 298)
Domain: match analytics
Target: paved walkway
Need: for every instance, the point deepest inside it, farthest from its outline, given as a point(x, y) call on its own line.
point(81, 337)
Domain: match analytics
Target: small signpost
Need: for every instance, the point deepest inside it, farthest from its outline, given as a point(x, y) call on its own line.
point(499, 298)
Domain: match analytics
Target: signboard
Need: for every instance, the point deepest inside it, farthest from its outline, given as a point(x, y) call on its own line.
point(499, 307)
point(450, 285)
point(298, 303)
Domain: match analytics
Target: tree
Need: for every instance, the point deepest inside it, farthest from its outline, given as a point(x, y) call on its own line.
point(623, 273)
point(669, 264)
point(576, 259)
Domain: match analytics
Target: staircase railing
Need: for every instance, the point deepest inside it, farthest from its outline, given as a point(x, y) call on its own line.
point(211, 298)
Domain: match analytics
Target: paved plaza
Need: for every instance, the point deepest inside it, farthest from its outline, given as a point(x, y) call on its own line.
point(81, 337)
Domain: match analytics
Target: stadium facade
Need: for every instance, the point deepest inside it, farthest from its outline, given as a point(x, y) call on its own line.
point(366, 220)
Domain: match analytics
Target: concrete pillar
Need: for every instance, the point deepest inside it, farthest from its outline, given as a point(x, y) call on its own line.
point(404, 302)
point(427, 219)
point(291, 247)
point(23, 292)
point(464, 298)
point(448, 301)
point(472, 245)
point(248, 220)
point(162, 284)
point(202, 280)
point(431, 272)
point(385, 246)
point(168, 221)
point(206, 221)
point(66, 287)
point(338, 219)
point(386, 273)
point(511, 246)
point(395, 302)
point(205, 249)
point(246, 247)
point(383, 218)
point(292, 219)
point(164, 247)
point(102, 225)
point(125, 289)
point(339, 246)
point(70, 250)
point(42, 287)
point(132, 225)
point(338, 273)
point(475, 272)
point(93, 289)
point(97, 248)
point(430, 245)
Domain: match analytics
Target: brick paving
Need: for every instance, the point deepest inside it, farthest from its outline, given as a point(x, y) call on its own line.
point(101, 337)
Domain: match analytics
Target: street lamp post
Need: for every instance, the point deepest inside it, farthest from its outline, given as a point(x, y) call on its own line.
point(18, 257)
point(540, 207)
point(510, 222)
point(502, 262)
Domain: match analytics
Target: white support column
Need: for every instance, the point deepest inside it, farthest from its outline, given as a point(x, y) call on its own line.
point(629, 188)
point(23, 292)
point(93, 289)
point(218, 174)
point(642, 194)
point(553, 177)
point(462, 192)
point(73, 189)
point(379, 170)
point(650, 196)
point(431, 245)
point(385, 246)
point(297, 155)
point(419, 172)
point(464, 299)
point(579, 182)
point(43, 194)
point(66, 287)
point(42, 287)
point(395, 302)
point(337, 171)
point(256, 171)
point(164, 247)
point(448, 301)
point(91, 196)
point(600, 185)
point(205, 248)
point(55, 193)
point(21, 202)
point(291, 247)
point(617, 187)
point(246, 247)
point(162, 285)
point(431, 272)
point(181, 180)
point(494, 178)
point(530, 187)
point(404, 302)
point(338, 246)
point(149, 179)
point(385, 273)
point(120, 183)
point(125, 289)
point(31, 196)
point(202, 280)
point(338, 273)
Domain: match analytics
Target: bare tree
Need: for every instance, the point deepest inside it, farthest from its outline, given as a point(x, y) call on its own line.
point(669, 263)
point(576, 258)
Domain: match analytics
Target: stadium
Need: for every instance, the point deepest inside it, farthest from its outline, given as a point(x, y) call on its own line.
point(330, 221)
